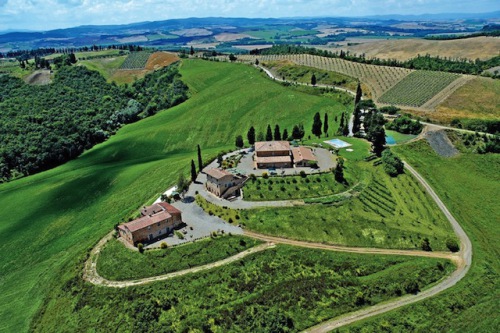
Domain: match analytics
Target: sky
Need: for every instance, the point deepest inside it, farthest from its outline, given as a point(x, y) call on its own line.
point(53, 14)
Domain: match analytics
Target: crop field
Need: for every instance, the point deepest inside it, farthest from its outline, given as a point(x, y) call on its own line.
point(292, 187)
point(116, 262)
point(282, 287)
point(417, 88)
point(468, 184)
point(136, 60)
point(379, 79)
point(74, 205)
point(388, 212)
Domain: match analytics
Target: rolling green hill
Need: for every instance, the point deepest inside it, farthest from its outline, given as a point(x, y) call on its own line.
point(51, 219)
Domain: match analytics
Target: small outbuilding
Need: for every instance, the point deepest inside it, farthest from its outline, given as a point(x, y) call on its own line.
point(303, 156)
point(223, 183)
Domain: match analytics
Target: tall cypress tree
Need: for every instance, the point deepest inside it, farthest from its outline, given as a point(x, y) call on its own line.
point(341, 125)
point(193, 171)
point(285, 134)
point(316, 127)
point(277, 134)
point(200, 161)
point(359, 94)
point(251, 135)
point(269, 134)
point(325, 125)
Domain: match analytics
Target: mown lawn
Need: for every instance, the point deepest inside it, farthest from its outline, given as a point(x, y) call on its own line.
point(468, 184)
point(52, 219)
point(116, 262)
point(282, 287)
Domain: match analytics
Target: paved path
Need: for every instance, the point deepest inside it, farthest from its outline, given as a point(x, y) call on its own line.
point(462, 259)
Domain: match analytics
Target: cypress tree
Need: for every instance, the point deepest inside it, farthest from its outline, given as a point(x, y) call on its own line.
point(269, 134)
point(316, 127)
point(200, 161)
point(313, 80)
point(325, 125)
point(193, 171)
point(285, 134)
point(277, 134)
point(251, 135)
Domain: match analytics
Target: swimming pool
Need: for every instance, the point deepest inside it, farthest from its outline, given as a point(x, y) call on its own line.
point(390, 140)
point(337, 143)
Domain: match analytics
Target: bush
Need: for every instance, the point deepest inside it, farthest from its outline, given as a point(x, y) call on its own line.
point(163, 245)
point(426, 246)
point(452, 245)
point(179, 235)
point(393, 166)
point(140, 247)
point(303, 174)
point(265, 175)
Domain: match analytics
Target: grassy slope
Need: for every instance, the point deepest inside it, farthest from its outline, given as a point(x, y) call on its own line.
point(304, 286)
point(468, 185)
point(51, 219)
point(117, 262)
point(479, 98)
point(105, 66)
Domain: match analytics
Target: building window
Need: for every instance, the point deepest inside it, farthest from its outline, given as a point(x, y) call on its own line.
point(149, 227)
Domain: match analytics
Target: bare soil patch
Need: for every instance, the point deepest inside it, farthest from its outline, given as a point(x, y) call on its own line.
point(161, 59)
point(194, 32)
point(441, 144)
point(39, 77)
point(229, 37)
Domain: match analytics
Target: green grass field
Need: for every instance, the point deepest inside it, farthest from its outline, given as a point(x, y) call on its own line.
point(265, 292)
point(116, 262)
point(105, 66)
point(468, 184)
point(400, 137)
point(50, 220)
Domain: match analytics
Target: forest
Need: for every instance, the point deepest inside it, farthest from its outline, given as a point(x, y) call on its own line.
point(44, 126)
point(421, 62)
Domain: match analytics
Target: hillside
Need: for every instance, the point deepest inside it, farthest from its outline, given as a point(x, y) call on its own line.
point(73, 206)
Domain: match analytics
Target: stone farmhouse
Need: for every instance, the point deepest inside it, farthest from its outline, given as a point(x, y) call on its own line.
point(279, 154)
point(156, 221)
point(272, 154)
point(223, 183)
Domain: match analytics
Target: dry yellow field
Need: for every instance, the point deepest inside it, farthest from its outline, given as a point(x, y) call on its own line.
point(404, 49)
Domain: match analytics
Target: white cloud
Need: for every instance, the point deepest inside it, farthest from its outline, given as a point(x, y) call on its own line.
point(50, 14)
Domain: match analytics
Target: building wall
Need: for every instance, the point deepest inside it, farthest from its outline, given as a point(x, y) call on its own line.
point(219, 186)
point(273, 153)
point(157, 231)
point(276, 165)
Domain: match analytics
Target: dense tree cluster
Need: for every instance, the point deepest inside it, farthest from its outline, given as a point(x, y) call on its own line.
point(392, 164)
point(44, 126)
point(405, 125)
point(422, 62)
point(374, 127)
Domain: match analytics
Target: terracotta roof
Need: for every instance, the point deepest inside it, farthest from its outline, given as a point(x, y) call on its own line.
point(169, 208)
point(218, 173)
point(273, 159)
point(272, 146)
point(146, 221)
point(303, 153)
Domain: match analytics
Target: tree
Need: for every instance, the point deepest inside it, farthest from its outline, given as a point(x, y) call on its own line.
point(251, 135)
point(72, 58)
point(359, 94)
point(269, 133)
point(232, 57)
point(325, 125)
point(316, 127)
point(285, 134)
point(256, 62)
point(298, 132)
point(393, 166)
point(200, 161)
point(193, 171)
point(313, 80)
point(239, 141)
point(182, 183)
point(452, 245)
point(341, 124)
point(356, 122)
point(426, 245)
point(339, 170)
point(378, 142)
point(277, 134)
point(191, 51)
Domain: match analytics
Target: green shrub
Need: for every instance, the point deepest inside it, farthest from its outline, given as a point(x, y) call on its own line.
point(179, 235)
point(265, 175)
point(163, 245)
point(140, 247)
point(452, 245)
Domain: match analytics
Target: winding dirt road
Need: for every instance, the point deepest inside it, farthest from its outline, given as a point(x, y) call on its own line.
point(462, 260)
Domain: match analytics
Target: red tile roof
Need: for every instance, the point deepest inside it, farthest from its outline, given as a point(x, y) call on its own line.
point(272, 146)
point(146, 221)
point(169, 208)
point(218, 173)
point(302, 154)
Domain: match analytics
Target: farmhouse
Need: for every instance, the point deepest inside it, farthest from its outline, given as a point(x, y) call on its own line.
point(156, 221)
point(273, 154)
point(223, 183)
point(303, 157)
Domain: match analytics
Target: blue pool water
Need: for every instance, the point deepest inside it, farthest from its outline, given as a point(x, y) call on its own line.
point(390, 140)
point(338, 143)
